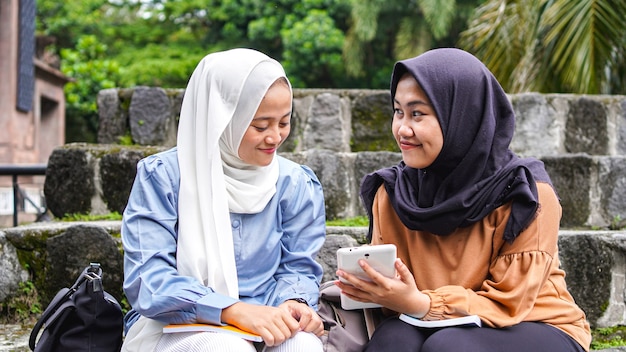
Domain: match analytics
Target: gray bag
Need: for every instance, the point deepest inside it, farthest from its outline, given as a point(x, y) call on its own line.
point(344, 330)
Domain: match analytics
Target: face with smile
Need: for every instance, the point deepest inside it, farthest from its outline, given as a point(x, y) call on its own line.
point(269, 128)
point(415, 125)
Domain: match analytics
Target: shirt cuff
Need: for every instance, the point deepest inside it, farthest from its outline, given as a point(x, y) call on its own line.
point(209, 308)
point(437, 306)
point(298, 299)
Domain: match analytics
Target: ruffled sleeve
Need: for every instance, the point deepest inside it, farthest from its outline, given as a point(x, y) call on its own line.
point(503, 300)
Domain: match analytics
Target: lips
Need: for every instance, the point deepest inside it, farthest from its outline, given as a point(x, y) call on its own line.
point(268, 150)
point(406, 145)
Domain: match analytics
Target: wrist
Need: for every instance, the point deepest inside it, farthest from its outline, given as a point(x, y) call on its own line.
point(299, 300)
point(421, 306)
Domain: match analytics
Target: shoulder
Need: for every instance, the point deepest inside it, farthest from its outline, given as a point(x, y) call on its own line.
point(542, 233)
point(549, 204)
point(546, 192)
point(291, 171)
point(160, 164)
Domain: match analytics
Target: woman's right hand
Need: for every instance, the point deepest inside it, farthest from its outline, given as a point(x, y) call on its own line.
point(399, 294)
point(274, 325)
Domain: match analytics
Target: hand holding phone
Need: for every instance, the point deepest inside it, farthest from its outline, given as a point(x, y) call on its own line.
point(380, 257)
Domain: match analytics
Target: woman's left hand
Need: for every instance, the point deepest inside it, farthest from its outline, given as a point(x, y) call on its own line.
point(308, 318)
point(399, 294)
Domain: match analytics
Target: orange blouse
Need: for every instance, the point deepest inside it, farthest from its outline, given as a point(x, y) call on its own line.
point(474, 271)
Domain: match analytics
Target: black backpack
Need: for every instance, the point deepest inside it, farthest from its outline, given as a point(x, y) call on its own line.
point(81, 318)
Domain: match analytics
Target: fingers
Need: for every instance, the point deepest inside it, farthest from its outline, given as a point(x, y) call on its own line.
point(390, 292)
point(355, 288)
point(307, 318)
point(312, 323)
point(279, 329)
point(273, 324)
point(373, 274)
point(403, 271)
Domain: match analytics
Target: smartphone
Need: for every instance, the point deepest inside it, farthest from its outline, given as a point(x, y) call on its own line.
point(380, 257)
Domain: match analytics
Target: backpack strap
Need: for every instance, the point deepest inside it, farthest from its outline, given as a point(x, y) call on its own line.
point(60, 298)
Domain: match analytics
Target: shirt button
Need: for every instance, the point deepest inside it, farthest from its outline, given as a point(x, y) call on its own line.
point(236, 223)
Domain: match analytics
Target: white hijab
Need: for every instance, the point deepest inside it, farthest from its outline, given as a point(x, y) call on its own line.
point(222, 96)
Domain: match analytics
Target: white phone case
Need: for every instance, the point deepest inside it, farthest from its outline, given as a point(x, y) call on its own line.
point(380, 257)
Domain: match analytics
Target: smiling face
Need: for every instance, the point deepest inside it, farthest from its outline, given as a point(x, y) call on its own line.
point(269, 127)
point(415, 125)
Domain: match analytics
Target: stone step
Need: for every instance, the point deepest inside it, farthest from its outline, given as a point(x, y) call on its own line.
point(97, 178)
point(53, 254)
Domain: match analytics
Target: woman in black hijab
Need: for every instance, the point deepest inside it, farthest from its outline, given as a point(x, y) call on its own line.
point(476, 226)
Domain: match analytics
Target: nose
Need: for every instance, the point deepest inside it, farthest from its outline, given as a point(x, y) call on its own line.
point(404, 130)
point(273, 136)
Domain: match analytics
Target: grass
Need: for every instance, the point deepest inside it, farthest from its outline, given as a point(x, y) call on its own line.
point(358, 221)
point(351, 222)
point(91, 217)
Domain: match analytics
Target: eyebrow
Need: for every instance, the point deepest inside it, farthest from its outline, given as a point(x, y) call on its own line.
point(413, 103)
point(270, 118)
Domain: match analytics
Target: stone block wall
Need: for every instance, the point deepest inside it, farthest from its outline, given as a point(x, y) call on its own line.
point(343, 135)
point(356, 120)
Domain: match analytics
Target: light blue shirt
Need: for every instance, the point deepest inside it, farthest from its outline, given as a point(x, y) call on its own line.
point(275, 250)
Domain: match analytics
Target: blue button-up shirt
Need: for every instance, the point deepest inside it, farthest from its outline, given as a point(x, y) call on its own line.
point(275, 250)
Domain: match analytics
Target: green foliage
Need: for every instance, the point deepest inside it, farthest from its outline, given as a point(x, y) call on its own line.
point(312, 50)
point(158, 43)
point(167, 66)
point(67, 21)
point(574, 46)
point(603, 338)
point(23, 307)
point(564, 46)
point(582, 37)
point(384, 31)
point(617, 223)
point(90, 73)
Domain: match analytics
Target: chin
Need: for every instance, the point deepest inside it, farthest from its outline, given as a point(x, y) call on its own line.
point(413, 164)
point(265, 162)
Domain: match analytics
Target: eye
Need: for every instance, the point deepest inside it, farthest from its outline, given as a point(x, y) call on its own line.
point(397, 111)
point(416, 113)
point(259, 128)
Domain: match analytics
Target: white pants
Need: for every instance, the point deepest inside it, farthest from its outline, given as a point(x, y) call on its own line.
point(218, 342)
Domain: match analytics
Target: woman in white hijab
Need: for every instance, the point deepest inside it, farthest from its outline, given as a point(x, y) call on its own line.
point(220, 229)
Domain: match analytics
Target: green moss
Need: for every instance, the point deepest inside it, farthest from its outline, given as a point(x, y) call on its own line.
point(604, 306)
point(34, 260)
point(608, 337)
point(617, 223)
point(371, 124)
point(23, 308)
point(125, 96)
point(126, 139)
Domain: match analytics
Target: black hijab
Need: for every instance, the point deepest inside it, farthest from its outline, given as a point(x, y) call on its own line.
point(475, 172)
